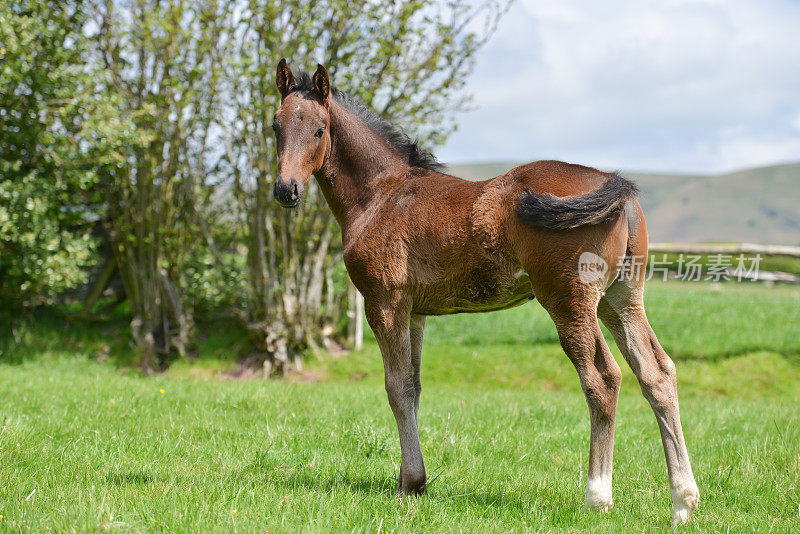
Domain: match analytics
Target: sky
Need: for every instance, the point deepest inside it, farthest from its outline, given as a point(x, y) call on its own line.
point(651, 85)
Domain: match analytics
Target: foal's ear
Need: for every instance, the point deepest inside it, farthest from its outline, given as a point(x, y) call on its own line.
point(284, 79)
point(322, 84)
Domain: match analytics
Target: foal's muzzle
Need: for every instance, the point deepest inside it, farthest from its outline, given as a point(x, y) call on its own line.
point(287, 192)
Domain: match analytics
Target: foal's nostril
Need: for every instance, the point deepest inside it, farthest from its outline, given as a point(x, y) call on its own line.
point(287, 192)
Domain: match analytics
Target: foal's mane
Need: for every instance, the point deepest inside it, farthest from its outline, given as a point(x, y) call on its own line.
point(397, 138)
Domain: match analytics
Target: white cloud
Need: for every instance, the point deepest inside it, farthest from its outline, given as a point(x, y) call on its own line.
point(742, 152)
point(663, 85)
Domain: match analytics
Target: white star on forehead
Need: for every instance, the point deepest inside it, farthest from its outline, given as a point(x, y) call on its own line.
point(297, 108)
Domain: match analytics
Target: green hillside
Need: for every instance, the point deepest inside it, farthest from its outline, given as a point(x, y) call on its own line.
point(760, 205)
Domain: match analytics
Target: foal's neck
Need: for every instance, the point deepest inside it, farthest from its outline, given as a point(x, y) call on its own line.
point(359, 168)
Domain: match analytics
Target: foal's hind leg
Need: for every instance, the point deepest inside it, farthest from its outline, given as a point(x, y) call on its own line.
point(600, 376)
point(622, 311)
point(417, 331)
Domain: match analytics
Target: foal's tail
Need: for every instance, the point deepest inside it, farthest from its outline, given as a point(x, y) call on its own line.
point(544, 211)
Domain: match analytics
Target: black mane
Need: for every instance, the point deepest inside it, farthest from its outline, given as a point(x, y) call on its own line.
point(397, 138)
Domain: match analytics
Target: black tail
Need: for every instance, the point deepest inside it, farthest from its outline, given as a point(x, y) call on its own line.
point(548, 212)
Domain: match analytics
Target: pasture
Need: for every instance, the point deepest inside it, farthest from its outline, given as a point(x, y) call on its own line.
point(89, 444)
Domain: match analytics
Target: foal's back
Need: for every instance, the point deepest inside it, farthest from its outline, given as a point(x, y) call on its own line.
point(451, 245)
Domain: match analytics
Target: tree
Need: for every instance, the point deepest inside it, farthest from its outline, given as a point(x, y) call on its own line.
point(163, 61)
point(407, 59)
point(153, 117)
point(56, 135)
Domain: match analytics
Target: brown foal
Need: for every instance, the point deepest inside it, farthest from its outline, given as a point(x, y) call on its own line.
point(419, 242)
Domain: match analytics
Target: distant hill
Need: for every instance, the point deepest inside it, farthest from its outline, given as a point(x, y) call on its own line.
point(760, 205)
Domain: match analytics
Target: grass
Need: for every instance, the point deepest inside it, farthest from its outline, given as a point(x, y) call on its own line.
point(90, 446)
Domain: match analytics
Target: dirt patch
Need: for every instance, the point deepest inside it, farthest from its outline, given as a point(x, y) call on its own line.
point(253, 368)
point(250, 367)
point(306, 376)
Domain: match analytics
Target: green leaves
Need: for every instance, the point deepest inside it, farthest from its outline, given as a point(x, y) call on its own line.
point(153, 117)
point(50, 151)
point(38, 256)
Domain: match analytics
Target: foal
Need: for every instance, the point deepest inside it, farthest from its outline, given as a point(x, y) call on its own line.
point(419, 242)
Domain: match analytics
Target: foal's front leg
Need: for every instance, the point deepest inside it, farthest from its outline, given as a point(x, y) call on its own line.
point(391, 325)
point(417, 331)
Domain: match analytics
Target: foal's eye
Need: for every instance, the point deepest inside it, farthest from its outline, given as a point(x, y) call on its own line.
point(275, 126)
point(318, 133)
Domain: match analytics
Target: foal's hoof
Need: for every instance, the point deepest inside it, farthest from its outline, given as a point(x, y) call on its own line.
point(683, 504)
point(598, 495)
point(410, 488)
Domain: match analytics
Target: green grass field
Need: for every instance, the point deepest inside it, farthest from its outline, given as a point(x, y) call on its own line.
point(87, 445)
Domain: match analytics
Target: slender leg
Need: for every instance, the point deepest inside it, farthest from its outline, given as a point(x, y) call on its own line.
point(391, 325)
point(417, 331)
point(622, 311)
point(600, 378)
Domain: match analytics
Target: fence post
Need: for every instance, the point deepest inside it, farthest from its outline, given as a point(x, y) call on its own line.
point(355, 316)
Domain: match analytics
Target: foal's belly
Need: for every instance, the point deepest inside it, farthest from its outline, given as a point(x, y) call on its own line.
point(473, 292)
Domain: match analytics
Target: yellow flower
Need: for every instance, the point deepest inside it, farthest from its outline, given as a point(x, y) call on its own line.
point(161, 391)
point(234, 511)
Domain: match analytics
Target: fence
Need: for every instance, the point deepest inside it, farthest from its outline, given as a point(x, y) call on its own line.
point(736, 249)
point(356, 313)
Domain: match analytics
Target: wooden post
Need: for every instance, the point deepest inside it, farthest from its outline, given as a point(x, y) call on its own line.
point(355, 316)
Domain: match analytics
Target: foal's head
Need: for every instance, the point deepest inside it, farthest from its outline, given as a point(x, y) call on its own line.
point(302, 131)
